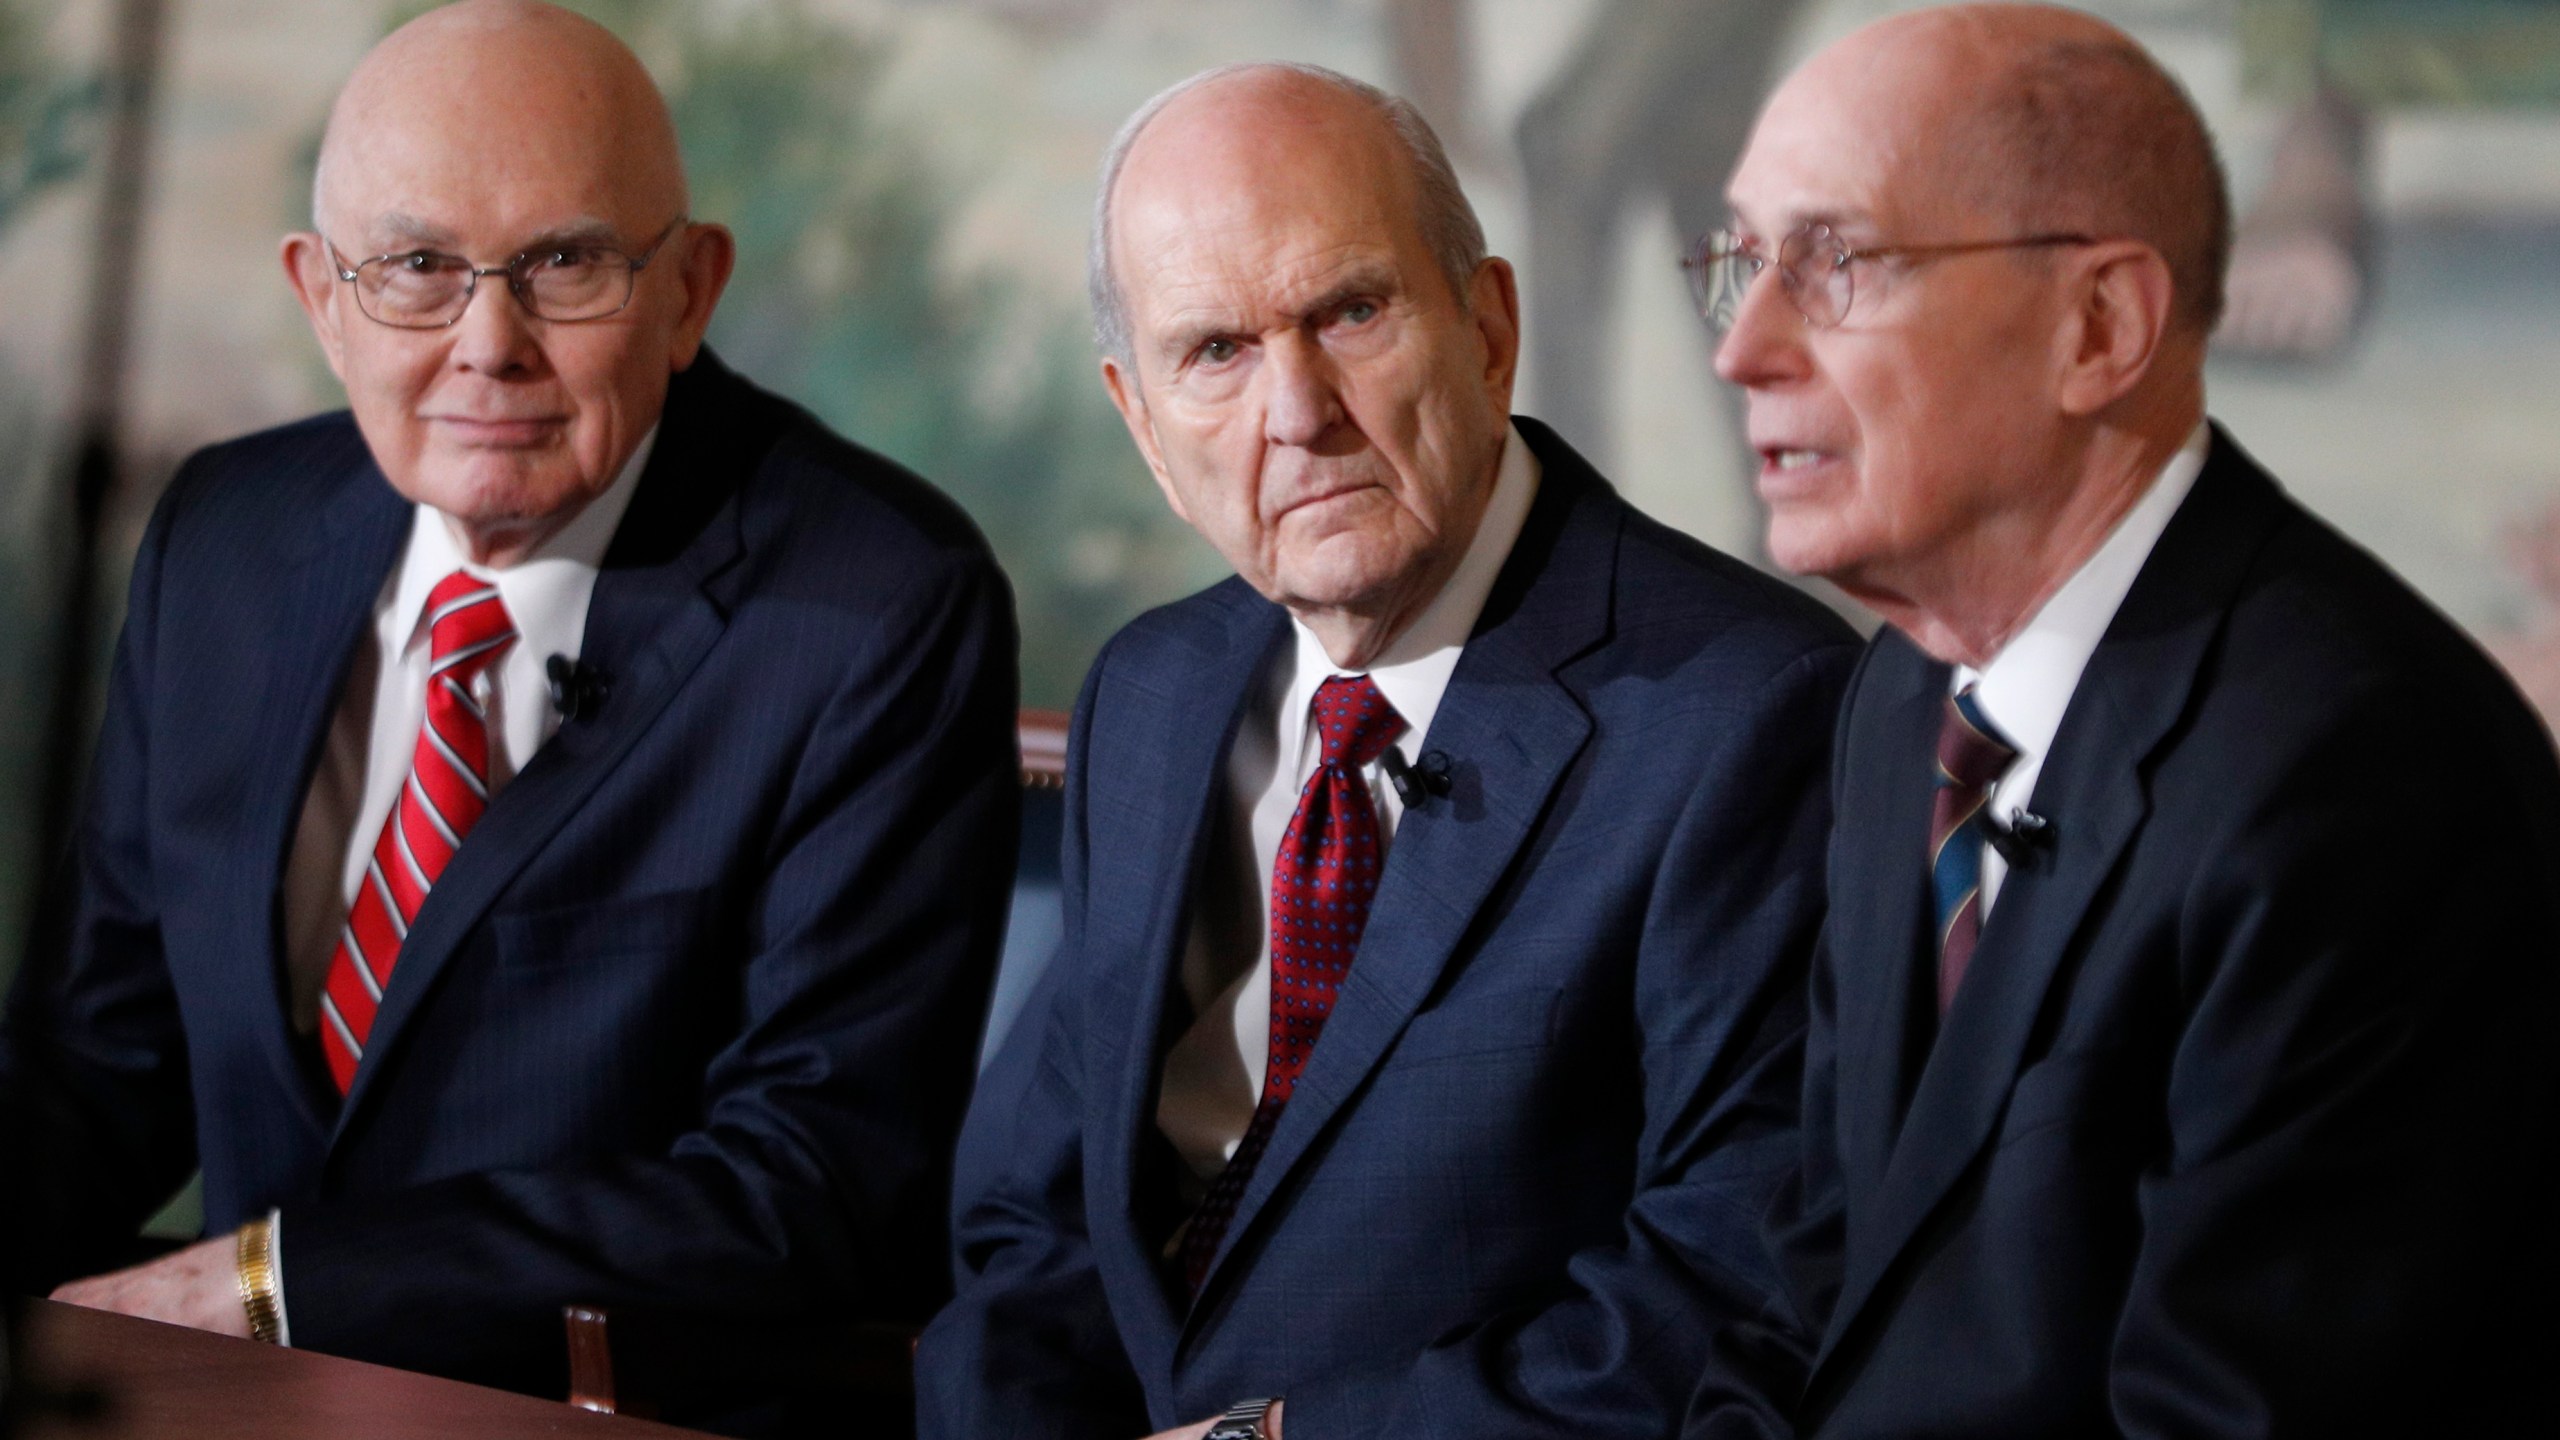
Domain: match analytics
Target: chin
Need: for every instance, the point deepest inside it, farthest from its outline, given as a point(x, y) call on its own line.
point(481, 494)
point(1803, 545)
point(1340, 581)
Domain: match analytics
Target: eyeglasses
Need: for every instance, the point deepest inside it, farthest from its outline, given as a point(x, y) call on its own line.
point(429, 290)
point(1813, 268)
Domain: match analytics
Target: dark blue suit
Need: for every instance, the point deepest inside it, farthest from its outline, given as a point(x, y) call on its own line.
point(684, 1028)
point(2242, 1122)
point(1520, 1178)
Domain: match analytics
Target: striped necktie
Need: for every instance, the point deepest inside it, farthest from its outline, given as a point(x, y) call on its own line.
point(1322, 881)
point(468, 629)
point(1972, 756)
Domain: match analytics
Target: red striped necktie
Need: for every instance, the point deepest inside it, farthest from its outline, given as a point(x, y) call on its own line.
point(1321, 884)
point(447, 789)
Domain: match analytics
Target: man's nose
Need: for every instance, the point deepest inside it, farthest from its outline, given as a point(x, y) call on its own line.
point(1765, 343)
point(1303, 401)
point(495, 335)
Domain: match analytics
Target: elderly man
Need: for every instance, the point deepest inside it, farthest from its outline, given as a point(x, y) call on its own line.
point(2181, 1059)
point(1438, 890)
point(549, 835)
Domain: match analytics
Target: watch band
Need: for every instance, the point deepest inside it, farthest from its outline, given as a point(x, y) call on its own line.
point(258, 1287)
point(1243, 1420)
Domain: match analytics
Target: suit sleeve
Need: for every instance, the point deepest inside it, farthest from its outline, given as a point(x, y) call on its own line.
point(1757, 1366)
point(1028, 1347)
point(1615, 1348)
point(814, 1184)
point(96, 1121)
point(2349, 1230)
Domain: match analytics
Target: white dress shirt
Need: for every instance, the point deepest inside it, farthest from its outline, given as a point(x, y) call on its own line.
point(1213, 1074)
point(2028, 685)
point(366, 757)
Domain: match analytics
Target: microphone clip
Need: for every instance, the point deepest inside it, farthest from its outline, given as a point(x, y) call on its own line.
point(578, 689)
point(2026, 837)
point(1417, 782)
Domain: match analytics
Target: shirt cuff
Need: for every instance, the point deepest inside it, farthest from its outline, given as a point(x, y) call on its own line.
point(275, 1267)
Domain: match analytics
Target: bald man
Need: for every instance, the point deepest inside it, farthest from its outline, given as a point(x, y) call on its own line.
point(2181, 1059)
point(551, 828)
point(1438, 889)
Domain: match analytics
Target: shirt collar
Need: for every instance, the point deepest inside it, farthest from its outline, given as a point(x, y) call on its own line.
point(2028, 685)
point(535, 589)
point(1414, 671)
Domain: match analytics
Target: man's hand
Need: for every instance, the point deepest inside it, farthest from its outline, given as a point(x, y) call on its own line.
point(198, 1286)
point(1270, 1427)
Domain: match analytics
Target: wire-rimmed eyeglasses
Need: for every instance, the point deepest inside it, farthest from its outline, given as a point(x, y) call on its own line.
point(1815, 268)
point(565, 281)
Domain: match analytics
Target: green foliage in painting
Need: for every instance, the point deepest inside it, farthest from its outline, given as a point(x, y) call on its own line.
point(47, 120)
point(48, 128)
point(2465, 54)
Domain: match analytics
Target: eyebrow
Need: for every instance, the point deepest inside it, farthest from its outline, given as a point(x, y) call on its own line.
point(1839, 221)
point(408, 230)
point(1364, 280)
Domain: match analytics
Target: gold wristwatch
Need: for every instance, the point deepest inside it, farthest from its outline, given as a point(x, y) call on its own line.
point(259, 1292)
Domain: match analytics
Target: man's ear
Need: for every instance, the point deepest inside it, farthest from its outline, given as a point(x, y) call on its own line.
point(307, 268)
point(1125, 397)
point(710, 253)
point(1494, 297)
point(2121, 311)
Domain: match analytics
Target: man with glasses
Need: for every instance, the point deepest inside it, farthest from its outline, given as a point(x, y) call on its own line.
point(2181, 1059)
point(551, 829)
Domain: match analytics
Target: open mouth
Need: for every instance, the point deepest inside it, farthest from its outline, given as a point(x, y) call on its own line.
point(1784, 468)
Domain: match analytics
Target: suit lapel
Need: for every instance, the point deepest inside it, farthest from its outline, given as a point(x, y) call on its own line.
point(329, 578)
point(1879, 909)
point(2093, 789)
point(1511, 727)
point(662, 598)
point(1175, 761)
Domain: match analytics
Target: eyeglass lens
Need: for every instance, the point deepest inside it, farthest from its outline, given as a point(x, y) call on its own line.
point(1812, 269)
point(426, 289)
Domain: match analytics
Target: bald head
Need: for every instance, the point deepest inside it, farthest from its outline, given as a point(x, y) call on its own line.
point(2044, 119)
point(490, 91)
point(1252, 117)
point(517, 139)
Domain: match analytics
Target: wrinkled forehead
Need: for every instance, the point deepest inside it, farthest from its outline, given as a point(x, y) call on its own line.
point(1254, 199)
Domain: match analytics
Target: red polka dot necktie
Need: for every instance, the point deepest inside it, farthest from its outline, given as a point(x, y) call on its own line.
point(1321, 884)
point(447, 789)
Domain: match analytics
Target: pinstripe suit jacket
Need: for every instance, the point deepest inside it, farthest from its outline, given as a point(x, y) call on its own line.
point(1519, 1180)
point(685, 1027)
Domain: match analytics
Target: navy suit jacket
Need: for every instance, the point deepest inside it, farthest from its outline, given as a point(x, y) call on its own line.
point(685, 1027)
point(2241, 1122)
point(1520, 1178)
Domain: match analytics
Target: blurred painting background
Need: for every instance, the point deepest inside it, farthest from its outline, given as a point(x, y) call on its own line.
point(910, 182)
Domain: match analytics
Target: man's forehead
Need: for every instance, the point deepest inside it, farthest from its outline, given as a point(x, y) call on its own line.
point(1265, 242)
point(1855, 165)
point(481, 183)
point(1252, 284)
point(402, 228)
